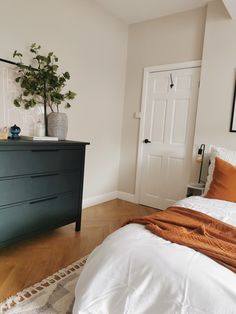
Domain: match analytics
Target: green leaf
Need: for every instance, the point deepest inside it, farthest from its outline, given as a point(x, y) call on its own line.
point(40, 77)
point(16, 103)
point(34, 49)
point(71, 95)
point(66, 75)
point(55, 67)
point(17, 54)
point(26, 93)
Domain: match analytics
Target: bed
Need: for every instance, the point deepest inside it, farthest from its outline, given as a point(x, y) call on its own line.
point(135, 271)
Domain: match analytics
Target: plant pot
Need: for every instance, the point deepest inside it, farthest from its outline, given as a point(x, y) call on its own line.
point(57, 125)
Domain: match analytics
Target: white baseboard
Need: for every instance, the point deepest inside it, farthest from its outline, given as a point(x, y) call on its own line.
point(126, 196)
point(91, 201)
point(95, 200)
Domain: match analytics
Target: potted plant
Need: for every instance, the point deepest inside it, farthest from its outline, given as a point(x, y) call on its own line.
point(41, 84)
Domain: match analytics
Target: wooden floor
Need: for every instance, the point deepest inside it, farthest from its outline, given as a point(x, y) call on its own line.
point(28, 262)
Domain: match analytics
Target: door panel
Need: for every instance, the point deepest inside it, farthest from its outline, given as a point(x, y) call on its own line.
point(179, 121)
point(158, 120)
point(170, 115)
point(174, 172)
point(161, 84)
point(183, 82)
point(154, 171)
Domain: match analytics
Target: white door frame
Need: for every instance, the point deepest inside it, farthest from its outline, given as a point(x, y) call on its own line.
point(146, 73)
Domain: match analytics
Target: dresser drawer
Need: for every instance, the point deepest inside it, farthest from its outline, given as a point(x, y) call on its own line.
point(21, 189)
point(37, 161)
point(43, 214)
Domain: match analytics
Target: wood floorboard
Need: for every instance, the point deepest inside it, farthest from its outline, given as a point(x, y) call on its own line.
point(27, 262)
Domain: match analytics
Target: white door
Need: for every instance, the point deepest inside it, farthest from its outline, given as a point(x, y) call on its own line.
point(169, 122)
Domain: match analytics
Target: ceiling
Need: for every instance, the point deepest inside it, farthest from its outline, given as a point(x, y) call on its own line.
point(134, 11)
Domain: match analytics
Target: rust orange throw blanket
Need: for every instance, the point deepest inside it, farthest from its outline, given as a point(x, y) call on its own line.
point(196, 230)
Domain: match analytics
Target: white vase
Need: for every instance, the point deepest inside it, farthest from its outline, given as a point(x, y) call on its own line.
point(57, 125)
point(39, 129)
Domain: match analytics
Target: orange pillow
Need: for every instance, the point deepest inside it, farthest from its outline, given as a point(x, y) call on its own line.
point(223, 185)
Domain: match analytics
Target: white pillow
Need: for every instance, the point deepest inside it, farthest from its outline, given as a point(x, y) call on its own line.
point(223, 153)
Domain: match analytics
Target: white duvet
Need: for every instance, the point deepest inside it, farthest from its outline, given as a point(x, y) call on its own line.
point(135, 271)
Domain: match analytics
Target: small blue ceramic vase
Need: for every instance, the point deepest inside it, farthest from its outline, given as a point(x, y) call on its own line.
point(15, 131)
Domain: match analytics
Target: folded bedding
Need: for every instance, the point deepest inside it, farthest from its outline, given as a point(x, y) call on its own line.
point(196, 230)
point(135, 271)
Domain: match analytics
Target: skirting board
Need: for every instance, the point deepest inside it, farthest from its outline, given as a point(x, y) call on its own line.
point(108, 197)
point(126, 196)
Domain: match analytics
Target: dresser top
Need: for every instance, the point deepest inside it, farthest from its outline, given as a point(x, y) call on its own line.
point(21, 142)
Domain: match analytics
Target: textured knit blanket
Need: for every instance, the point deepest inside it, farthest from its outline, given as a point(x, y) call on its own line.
point(196, 230)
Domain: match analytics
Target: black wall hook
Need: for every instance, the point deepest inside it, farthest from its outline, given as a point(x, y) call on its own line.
point(171, 81)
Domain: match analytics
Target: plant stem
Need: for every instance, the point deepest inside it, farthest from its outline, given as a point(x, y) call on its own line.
point(49, 102)
point(45, 109)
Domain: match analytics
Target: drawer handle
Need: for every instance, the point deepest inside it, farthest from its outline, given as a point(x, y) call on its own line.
point(44, 200)
point(44, 150)
point(44, 175)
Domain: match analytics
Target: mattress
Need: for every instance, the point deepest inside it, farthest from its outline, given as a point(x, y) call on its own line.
point(135, 271)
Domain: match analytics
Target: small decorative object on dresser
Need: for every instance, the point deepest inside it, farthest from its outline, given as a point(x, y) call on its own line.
point(15, 131)
point(195, 189)
point(41, 186)
point(4, 133)
point(57, 125)
point(39, 129)
point(41, 84)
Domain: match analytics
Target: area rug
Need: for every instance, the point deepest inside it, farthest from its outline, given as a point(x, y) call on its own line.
point(52, 295)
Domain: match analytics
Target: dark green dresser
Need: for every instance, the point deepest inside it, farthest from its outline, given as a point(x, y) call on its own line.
point(41, 187)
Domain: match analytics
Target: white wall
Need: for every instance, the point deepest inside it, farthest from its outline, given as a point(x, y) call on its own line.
point(91, 44)
point(217, 79)
point(172, 39)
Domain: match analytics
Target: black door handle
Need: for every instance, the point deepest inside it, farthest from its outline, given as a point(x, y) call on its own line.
point(146, 141)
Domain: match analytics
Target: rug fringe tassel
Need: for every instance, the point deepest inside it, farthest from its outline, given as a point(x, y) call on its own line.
point(27, 293)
